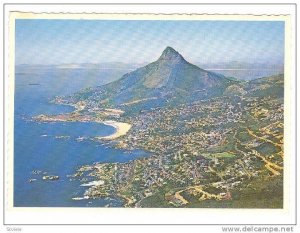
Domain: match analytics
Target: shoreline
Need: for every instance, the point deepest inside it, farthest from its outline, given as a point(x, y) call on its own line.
point(120, 127)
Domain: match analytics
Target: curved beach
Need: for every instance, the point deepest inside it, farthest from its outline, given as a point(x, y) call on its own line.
point(121, 129)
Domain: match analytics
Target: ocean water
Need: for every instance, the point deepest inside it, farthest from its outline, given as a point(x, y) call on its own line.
point(52, 148)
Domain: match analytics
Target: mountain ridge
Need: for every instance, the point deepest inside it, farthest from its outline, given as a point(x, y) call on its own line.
point(169, 79)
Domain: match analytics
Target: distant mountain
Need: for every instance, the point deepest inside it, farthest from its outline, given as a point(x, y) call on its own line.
point(104, 66)
point(242, 65)
point(243, 70)
point(169, 80)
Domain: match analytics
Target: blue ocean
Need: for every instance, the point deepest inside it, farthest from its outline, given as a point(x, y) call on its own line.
point(53, 148)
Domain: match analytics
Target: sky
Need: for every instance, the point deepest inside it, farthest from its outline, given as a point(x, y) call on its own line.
point(98, 41)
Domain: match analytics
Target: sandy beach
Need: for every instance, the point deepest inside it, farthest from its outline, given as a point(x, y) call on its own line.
point(121, 129)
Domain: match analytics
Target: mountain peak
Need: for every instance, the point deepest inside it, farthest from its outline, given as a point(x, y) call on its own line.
point(169, 49)
point(170, 80)
point(170, 54)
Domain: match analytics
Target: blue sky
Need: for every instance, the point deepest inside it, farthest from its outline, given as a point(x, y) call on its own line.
point(97, 41)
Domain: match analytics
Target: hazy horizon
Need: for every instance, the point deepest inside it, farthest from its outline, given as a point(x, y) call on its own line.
point(54, 42)
point(145, 63)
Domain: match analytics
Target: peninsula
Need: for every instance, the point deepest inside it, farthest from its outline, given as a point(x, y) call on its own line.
point(214, 141)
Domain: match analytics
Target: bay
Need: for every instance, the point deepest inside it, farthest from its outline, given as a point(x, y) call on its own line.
point(57, 148)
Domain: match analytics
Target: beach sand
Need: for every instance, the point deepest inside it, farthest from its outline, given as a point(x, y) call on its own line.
point(121, 129)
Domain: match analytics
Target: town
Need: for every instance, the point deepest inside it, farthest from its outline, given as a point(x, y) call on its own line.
point(199, 152)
